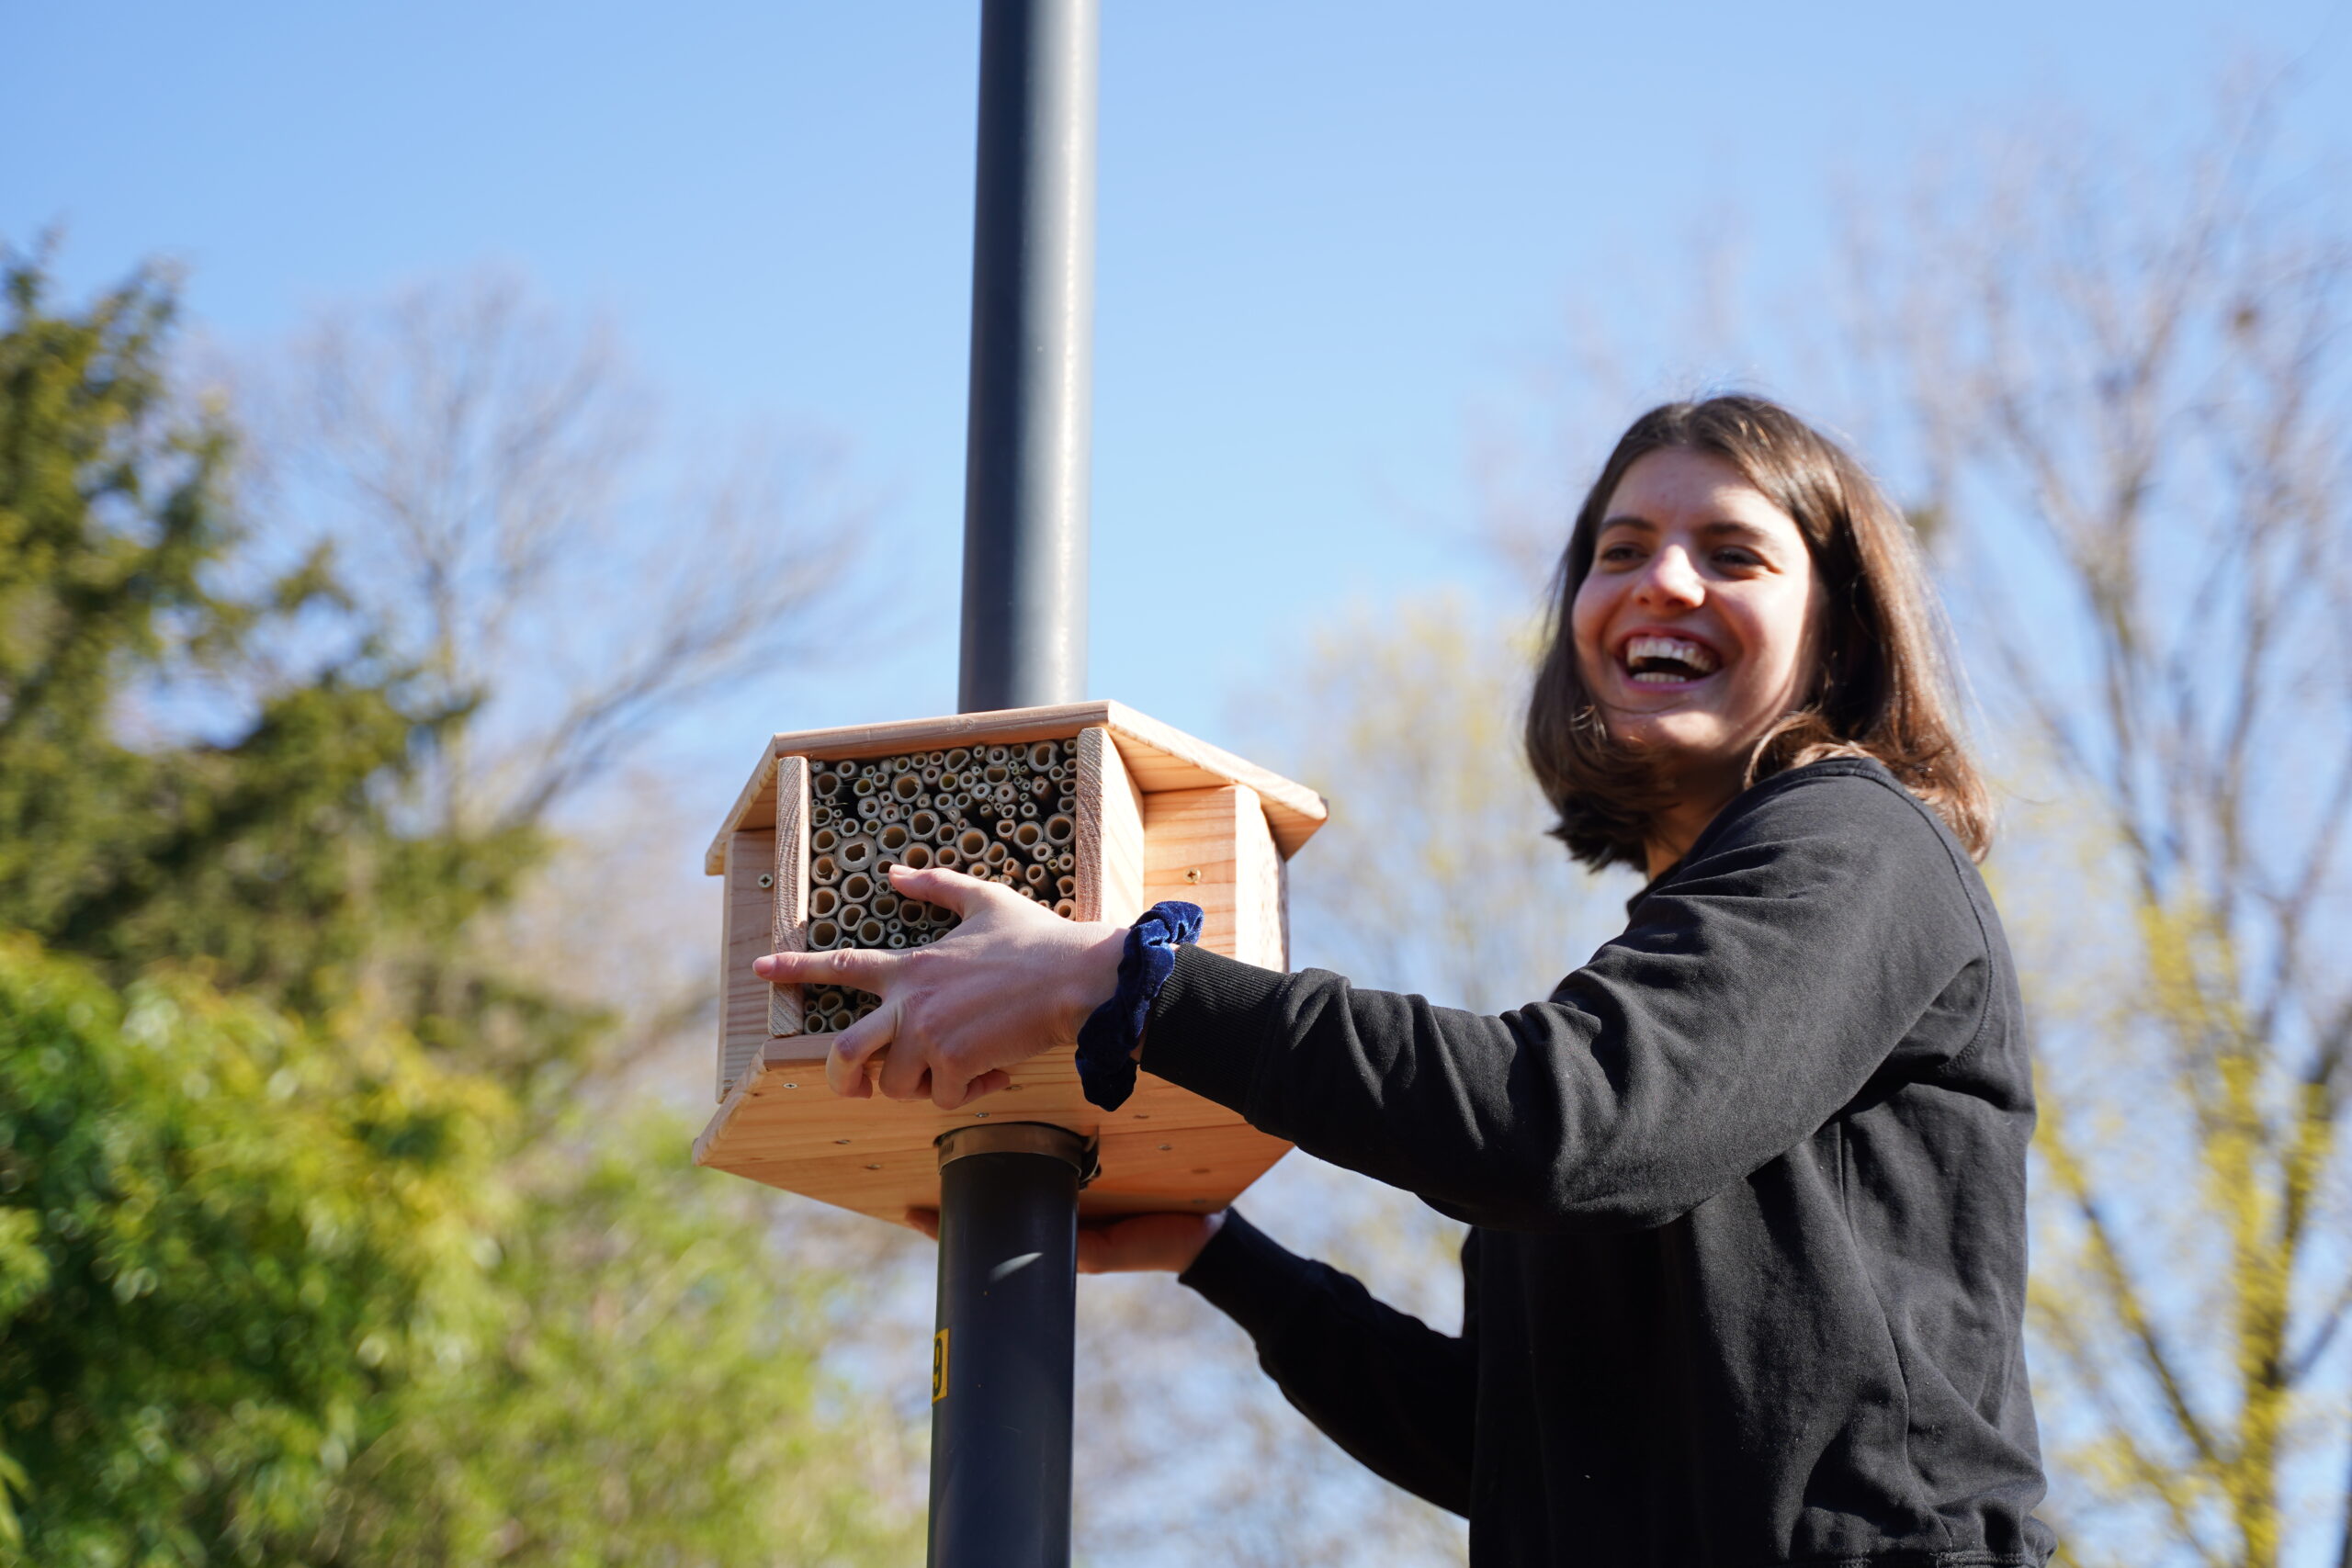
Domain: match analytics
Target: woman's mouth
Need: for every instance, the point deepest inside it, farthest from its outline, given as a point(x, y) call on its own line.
point(1652, 660)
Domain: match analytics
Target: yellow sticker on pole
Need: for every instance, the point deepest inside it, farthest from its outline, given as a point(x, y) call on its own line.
point(939, 1366)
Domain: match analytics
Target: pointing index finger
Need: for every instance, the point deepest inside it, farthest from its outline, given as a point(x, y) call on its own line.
point(866, 969)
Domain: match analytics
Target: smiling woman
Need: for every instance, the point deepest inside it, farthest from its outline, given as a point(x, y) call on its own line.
point(1738, 598)
point(1745, 1279)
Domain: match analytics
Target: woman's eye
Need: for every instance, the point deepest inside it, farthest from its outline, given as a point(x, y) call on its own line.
point(1736, 556)
point(1618, 554)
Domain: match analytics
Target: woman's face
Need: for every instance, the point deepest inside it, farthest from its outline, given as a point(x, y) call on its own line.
point(1694, 627)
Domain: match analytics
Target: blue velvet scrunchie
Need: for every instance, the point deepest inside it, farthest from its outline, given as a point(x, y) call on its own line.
point(1106, 1042)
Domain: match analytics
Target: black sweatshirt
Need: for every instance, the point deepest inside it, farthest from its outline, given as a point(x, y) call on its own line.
point(1748, 1275)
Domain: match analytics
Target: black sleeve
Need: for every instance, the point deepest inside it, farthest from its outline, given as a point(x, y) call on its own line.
point(1757, 989)
point(1392, 1390)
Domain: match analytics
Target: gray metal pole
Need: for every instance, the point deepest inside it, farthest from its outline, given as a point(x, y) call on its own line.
point(1025, 472)
point(1001, 1368)
point(1008, 1196)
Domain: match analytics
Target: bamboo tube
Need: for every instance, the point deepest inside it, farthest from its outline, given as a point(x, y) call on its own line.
point(885, 905)
point(858, 888)
point(870, 932)
point(1066, 861)
point(864, 785)
point(856, 853)
point(997, 853)
point(895, 838)
point(1034, 875)
point(850, 918)
point(1041, 755)
point(824, 842)
point(1066, 908)
point(1066, 886)
point(1027, 834)
point(824, 869)
point(823, 934)
point(947, 858)
point(918, 856)
point(1028, 812)
point(956, 757)
point(924, 824)
point(906, 786)
point(997, 754)
point(823, 901)
point(972, 842)
point(897, 939)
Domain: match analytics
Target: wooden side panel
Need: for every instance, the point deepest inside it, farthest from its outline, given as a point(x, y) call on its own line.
point(788, 930)
point(1110, 833)
point(1210, 847)
point(1262, 888)
point(747, 926)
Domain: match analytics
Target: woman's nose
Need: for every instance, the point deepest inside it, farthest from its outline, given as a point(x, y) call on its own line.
point(1670, 582)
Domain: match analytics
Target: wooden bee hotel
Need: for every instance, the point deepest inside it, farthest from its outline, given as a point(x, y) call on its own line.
point(1090, 809)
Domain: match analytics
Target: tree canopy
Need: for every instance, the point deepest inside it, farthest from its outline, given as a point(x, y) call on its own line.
point(303, 1258)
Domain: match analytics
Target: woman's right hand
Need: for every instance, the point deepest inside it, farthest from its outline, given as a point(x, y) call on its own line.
point(1132, 1244)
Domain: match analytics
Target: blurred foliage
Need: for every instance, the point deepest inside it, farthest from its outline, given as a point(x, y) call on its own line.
point(272, 856)
point(272, 1295)
point(228, 1242)
point(306, 1254)
point(632, 1325)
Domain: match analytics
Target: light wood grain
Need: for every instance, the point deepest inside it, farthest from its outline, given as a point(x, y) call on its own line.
point(1158, 757)
point(788, 930)
point(1210, 847)
point(746, 926)
point(1163, 757)
point(1153, 804)
point(1110, 833)
point(782, 1126)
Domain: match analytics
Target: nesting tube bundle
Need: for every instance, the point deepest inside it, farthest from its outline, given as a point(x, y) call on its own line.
point(1006, 814)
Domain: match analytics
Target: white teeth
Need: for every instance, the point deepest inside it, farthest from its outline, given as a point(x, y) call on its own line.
point(1694, 659)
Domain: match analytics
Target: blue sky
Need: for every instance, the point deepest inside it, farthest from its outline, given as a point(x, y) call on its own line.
point(1331, 234)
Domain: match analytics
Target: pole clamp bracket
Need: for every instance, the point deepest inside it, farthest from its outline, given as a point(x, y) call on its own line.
point(1081, 1151)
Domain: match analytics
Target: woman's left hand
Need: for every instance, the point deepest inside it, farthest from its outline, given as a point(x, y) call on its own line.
point(1012, 980)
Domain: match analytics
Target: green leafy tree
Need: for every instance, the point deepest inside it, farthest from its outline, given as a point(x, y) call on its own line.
point(646, 1324)
point(266, 855)
point(224, 1246)
point(307, 1253)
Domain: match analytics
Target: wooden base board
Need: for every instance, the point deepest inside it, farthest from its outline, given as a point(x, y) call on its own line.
point(1165, 1150)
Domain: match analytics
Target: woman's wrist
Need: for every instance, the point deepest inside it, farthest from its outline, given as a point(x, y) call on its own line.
point(1210, 1225)
point(1110, 1041)
point(1093, 979)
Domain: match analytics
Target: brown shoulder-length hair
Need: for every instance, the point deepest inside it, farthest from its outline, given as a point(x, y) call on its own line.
point(1881, 684)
